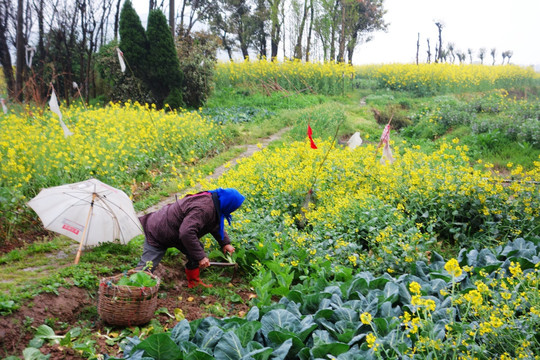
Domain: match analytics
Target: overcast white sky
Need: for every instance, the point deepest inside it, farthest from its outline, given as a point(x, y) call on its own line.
point(500, 24)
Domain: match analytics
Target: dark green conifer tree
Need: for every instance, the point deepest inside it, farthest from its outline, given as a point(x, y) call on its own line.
point(133, 41)
point(163, 64)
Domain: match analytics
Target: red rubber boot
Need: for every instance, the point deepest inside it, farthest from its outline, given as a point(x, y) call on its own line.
point(193, 278)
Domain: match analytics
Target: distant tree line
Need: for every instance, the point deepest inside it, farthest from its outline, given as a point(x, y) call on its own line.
point(72, 42)
point(450, 53)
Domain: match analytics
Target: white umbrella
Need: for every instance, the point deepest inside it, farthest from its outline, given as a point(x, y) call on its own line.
point(89, 212)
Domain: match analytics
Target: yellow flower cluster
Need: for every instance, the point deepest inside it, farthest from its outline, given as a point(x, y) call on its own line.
point(453, 268)
point(496, 309)
point(115, 144)
point(438, 77)
point(352, 188)
point(292, 75)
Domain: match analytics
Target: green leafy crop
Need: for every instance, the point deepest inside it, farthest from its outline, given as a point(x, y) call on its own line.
point(138, 279)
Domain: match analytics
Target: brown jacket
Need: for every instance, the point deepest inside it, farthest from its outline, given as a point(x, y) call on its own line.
point(183, 223)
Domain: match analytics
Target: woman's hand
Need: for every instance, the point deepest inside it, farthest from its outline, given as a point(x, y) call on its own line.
point(204, 263)
point(228, 249)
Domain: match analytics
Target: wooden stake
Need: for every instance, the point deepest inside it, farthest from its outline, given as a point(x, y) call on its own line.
point(83, 239)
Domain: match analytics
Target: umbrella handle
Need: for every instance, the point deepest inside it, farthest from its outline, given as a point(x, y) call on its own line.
point(83, 239)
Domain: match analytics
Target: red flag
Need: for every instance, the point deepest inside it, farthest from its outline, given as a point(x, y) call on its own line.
point(309, 133)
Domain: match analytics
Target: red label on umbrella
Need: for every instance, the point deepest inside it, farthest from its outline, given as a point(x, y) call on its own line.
point(71, 228)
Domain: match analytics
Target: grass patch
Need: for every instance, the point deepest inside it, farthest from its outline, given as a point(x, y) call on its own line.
point(248, 97)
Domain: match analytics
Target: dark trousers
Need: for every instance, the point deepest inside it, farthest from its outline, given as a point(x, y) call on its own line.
point(155, 254)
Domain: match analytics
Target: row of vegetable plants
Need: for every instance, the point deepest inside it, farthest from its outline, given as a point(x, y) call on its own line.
point(484, 304)
point(494, 112)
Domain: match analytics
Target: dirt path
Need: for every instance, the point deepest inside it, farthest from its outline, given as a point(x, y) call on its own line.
point(219, 171)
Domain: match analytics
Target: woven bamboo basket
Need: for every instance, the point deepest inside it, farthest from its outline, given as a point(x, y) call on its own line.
point(126, 305)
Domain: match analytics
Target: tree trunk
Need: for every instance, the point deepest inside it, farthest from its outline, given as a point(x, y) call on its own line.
point(341, 52)
point(84, 31)
point(428, 52)
point(182, 11)
point(298, 46)
point(310, 30)
point(333, 31)
point(117, 19)
point(275, 32)
point(417, 48)
point(5, 56)
point(439, 51)
point(351, 46)
point(41, 32)
point(7, 66)
point(262, 40)
point(20, 53)
point(243, 44)
point(274, 46)
point(171, 16)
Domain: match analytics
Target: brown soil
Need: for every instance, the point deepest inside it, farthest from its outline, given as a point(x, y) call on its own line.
point(73, 305)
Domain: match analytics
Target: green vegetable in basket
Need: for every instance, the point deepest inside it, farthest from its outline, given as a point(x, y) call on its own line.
point(138, 279)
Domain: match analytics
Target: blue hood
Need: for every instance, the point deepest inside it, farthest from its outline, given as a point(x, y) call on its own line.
point(229, 201)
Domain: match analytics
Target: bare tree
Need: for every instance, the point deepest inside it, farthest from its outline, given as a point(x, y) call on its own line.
point(469, 51)
point(428, 52)
point(438, 54)
point(461, 56)
point(509, 54)
point(417, 48)
point(199, 10)
point(506, 55)
point(451, 52)
point(493, 53)
point(117, 19)
point(93, 17)
point(481, 55)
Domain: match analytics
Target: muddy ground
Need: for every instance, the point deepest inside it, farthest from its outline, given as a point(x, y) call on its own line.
point(78, 307)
